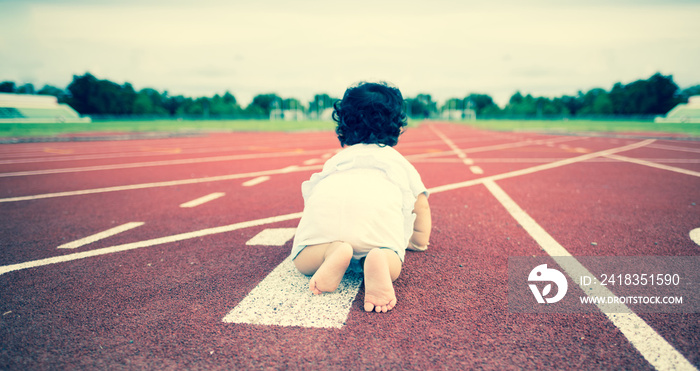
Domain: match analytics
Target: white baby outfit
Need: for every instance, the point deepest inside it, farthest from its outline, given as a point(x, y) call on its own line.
point(364, 196)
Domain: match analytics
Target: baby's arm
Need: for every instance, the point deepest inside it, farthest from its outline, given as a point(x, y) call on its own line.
point(422, 225)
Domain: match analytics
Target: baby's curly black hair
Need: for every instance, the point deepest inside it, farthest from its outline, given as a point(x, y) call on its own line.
point(370, 113)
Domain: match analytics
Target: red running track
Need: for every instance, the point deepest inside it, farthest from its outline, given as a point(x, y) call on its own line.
point(161, 304)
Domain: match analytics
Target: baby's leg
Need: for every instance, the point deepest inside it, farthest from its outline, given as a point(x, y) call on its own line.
point(382, 267)
point(327, 262)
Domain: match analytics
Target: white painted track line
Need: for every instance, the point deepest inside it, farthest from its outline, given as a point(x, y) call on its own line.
point(272, 237)
point(256, 181)
point(100, 236)
point(493, 147)
point(675, 148)
point(695, 235)
point(203, 200)
point(653, 347)
point(283, 298)
point(476, 170)
point(160, 184)
point(152, 242)
point(652, 164)
point(247, 156)
point(452, 146)
point(537, 168)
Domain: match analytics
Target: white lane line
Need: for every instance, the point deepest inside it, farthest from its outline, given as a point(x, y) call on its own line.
point(283, 298)
point(313, 161)
point(463, 156)
point(538, 168)
point(551, 159)
point(676, 148)
point(203, 199)
point(438, 189)
point(153, 163)
point(100, 236)
point(523, 143)
point(652, 164)
point(147, 164)
point(476, 170)
point(184, 236)
point(653, 347)
point(485, 148)
point(272, 237)
point(152, 242)
point(695, 235)
point(160, 184)
point(449, 143)
point(256, 181)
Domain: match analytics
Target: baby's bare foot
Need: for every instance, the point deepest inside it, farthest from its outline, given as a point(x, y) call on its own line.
point(379, 291)
point(331, 272)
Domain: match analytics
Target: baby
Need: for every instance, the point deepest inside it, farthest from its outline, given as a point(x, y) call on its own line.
point(368, 204)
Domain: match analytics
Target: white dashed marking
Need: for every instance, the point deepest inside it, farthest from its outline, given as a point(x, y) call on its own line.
point(256, 181)
point(272, 237)
point(313, 161)
point(146, 243)
point(476, 170)
point(695, 235)
point(203, 200)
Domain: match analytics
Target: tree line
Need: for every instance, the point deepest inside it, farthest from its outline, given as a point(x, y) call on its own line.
point(89, 95)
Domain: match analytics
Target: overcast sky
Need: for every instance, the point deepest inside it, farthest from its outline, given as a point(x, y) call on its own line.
point(447, 48)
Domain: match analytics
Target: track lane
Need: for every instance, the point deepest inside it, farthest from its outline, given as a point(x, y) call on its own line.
point(168, 312)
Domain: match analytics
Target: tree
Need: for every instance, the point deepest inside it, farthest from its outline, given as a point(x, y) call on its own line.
point(263, 104)
point(7, 87)
point(291, 104)
point(454, 104)
point(481, 103)
point(689, 92)
point(173, 104)
point(657, 95)
point(321, 102)
point(572, 103)
point(224, 105)
point(60, 94)
point(422, 106)
point(519, 105)
point(516, 98)
point(26, 89)
point(149, 101)
point(92, 96)
point(596, 101)
point(228, 98)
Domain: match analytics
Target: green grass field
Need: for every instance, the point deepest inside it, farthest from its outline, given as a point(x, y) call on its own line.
point(129, 126)
point(562, 126)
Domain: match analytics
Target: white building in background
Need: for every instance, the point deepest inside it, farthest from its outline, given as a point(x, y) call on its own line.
point(36, 109)
point(683, 113)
